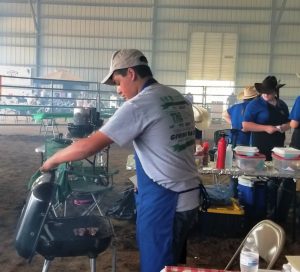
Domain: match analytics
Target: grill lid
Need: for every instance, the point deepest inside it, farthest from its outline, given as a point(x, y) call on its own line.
point(33, 215)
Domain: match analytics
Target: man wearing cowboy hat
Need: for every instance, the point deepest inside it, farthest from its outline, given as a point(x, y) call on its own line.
point(234, 116)
point(267, 117)
point(159, 121)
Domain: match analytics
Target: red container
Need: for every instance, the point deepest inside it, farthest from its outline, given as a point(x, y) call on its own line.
point(221, 152)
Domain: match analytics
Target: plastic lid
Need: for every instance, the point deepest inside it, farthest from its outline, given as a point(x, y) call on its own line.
point(246, 180)
point(256, 156)
point(286, 152)
point(275, 156)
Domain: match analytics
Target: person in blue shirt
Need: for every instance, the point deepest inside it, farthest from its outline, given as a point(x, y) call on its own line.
point(295, 120)
point(267, 117)
point(231, 100)
point(235, 114)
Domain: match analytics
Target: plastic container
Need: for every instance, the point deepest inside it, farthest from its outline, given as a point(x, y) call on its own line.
point(283, 164)
point(199, 156)
point(205, 146)
point(249, 257)
point(220, 164)
point(199, 160)
point(228, 157)
point(286, 152)
point(246, 150)
point(250, 162)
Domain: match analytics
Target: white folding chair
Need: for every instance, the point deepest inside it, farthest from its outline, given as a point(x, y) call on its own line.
point(269, 238)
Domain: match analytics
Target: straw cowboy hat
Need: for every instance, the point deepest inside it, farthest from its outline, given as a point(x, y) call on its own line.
point(201, 117)
point(269, 85)
point(247, 93)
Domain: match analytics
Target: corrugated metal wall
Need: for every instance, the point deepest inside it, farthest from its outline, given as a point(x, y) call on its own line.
point(81, 35)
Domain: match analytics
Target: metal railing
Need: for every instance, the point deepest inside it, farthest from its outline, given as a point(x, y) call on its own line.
point(22, 97)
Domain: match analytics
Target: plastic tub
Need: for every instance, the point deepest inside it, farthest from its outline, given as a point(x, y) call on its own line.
point(283, 164)
point(286, 152)
point(246, 150)
point(255, 162)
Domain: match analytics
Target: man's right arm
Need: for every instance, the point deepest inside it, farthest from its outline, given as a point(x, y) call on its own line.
point(78, 150)
point(251, 126)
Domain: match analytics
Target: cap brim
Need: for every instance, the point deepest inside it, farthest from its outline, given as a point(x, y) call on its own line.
point(107, 80)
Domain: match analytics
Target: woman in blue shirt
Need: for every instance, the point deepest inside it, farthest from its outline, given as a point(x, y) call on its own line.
point(235, 114)
point(267, 117)
point(295, 120)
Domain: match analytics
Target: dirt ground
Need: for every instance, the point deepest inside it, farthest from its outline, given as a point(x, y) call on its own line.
point(18, 162)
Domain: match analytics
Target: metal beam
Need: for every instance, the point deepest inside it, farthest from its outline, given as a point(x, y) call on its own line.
point(38, 40)
point(275, 21)
point(33, 15)
point(154, 35)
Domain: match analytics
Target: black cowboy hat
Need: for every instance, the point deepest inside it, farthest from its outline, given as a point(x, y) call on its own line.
point(269, 85)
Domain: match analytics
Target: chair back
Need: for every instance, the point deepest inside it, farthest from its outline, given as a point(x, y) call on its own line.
point(230, 136)
point(269, 238)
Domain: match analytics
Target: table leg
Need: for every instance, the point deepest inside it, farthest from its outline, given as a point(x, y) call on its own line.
point(294, 212)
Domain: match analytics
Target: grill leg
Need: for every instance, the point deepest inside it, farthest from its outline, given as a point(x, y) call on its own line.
point(93, 264)
point(46, 265)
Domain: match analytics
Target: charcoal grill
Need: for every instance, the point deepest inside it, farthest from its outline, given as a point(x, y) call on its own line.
point(39, 231)
point(86, 120)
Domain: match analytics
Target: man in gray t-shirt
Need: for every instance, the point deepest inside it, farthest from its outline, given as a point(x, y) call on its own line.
point(159, 121)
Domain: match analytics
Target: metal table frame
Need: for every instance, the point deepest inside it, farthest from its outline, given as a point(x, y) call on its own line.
point(268, 171)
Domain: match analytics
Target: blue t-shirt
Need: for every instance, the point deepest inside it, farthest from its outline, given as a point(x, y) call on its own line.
point(236, 113)
point(295, 112)
point(295, 115)
point(257, 111)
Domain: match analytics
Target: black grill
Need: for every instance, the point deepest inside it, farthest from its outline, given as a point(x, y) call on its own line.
point(39, 231)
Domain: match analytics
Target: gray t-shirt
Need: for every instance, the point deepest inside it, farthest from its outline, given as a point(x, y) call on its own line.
point(160, 123)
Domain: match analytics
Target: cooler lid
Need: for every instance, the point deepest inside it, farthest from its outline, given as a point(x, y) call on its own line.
point(247, 180)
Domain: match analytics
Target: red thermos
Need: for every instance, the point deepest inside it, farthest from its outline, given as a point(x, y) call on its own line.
point(221, 152)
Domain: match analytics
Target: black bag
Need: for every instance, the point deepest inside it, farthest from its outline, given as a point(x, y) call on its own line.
point(204, 198)
point(124, 208)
